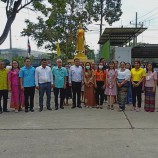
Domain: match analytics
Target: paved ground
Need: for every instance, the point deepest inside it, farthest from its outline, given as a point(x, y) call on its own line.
point(80, 133)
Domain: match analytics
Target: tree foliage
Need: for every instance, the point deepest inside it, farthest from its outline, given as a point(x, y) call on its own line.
point(13, 7)
point(62, 18)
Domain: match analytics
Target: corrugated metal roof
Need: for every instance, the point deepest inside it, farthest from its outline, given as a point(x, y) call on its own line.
point(120, 36)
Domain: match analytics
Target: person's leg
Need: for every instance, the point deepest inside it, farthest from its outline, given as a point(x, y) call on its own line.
point(1, 94)
point(48, 93)
point(79, 94)
point(97, 95)
point(32, 94)
point(5, 100)
point(102, 96)
point(74, 93)
point(134, 92)
point(62, 96)
point(56, 93)
point(139, 95)
point(26, 96)
point(41, 94)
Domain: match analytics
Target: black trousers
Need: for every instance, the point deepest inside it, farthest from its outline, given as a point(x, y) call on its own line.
point(62, 96)
point(76, 89)
point(137, 93)
point(4, 94)
point(100, 93)
point(29, 93)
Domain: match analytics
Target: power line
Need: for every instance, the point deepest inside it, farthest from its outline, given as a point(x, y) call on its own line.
point(148, 12)
point(150, 16)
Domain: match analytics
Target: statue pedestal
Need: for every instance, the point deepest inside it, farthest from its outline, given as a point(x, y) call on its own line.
point(82, 57)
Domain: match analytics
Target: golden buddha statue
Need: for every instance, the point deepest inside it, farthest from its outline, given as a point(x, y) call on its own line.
point(80, 47)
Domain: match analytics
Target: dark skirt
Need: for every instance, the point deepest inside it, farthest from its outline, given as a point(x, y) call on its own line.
point(149, 99)
point(122, 96)
point(68, 92)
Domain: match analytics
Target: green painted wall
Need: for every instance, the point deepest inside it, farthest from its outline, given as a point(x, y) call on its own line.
point(105, 50)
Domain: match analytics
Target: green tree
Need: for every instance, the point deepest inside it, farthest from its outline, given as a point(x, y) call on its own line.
point(109, 10)
point(61, 24)
point(13, 7)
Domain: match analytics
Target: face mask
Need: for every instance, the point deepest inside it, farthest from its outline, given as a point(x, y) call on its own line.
point(100, 66)
point(88, 67)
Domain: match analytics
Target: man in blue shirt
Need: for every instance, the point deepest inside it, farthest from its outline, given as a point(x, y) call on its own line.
point(59, 75)
point(27, 83)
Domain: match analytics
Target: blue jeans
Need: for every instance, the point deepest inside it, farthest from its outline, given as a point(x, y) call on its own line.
point(44, 87)
point(129, 95)
point(62, 96)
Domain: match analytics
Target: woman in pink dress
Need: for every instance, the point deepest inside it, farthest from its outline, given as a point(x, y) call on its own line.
point(17, 95)
point(111, 89)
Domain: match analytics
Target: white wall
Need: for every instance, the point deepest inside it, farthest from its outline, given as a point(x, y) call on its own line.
point(123, 54)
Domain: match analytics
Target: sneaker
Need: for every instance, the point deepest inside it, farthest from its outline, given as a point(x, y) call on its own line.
point(16, 111)
point(133, 108)
point(138, 109)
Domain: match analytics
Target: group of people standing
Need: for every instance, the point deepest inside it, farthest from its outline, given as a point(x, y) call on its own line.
point(114, 82)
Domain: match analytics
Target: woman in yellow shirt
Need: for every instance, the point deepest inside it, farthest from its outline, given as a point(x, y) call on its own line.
point(137, 77)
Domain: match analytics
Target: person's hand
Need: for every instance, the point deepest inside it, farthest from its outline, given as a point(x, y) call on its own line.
point(119, 85)
point(95, 86)
point(64, 86)
point(154, 89)
point(70, 84)
point(37, 87)
point(53, 85)
point(136, 85)
point(22, 88)
point(9, 89)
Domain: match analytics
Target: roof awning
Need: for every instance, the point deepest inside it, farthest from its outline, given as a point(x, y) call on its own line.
point(120, 36)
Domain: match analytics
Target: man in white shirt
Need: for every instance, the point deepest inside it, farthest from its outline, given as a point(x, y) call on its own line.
point(75, 80)
point(44, 83)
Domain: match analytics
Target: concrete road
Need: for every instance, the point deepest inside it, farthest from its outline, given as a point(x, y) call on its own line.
point(79, 133)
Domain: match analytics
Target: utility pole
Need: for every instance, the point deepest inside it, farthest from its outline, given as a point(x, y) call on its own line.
point(136, 27)
point(10, 40)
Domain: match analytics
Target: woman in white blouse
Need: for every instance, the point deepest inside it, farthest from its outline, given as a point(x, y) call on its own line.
point(123, 78)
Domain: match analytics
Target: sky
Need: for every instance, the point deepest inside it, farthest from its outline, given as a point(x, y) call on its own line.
point(147, 13)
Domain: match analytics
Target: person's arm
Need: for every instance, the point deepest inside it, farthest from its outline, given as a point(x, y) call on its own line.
point(114, 81)
point(51, 77)
point(127, 77)
point(9, 80)
point(142, 79)
point(37, 78)
point(105, 79)
point(95, 84)
point(107, 84)
point(155, 81)
point(70, 76)
point(21, 75)
point(65, 77)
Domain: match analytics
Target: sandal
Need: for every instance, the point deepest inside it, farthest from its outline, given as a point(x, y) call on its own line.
point(108, 107)
point(112, 107)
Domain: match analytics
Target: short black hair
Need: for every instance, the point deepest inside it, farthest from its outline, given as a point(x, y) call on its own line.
point(44, 59)
point(27, 58)
point(76, 59)
point(101, 59)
